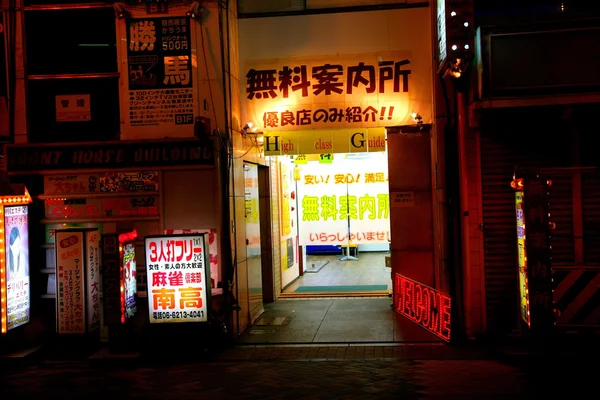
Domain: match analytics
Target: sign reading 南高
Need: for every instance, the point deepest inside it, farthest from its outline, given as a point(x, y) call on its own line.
point(159, 98)
point(178, 278)
point(364, 90)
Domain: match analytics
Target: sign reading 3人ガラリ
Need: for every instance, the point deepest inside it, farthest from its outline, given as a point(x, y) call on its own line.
point(178, 278)
point(354, 91)
point(157, 57)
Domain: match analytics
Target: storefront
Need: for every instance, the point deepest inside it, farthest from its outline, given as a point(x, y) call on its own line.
point(340, 106)
point(112, 188)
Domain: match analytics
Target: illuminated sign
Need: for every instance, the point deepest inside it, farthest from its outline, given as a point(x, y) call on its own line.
point(178, 278)
point(77, 280)
point(522, 258)
point(347, 189)
point(14, 259)
point(362, 91)
point(533, 236)
point(119, 277)
point(423, 305)
point(15, 288)
point(281, 143)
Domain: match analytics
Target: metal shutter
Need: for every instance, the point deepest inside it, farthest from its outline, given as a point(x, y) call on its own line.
point(507, 142)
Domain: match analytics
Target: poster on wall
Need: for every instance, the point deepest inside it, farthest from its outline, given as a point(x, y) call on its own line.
point(107, 182)
point(16, 241)
point(159, 97)
point(342, 91)
point(289, 222)
point(77, 280)
point(178, 278)
point(355, 187)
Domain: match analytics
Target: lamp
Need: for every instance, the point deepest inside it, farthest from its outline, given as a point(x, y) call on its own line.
point(195, 10)
point(120, 12)
point(249, 127)
point(418, 119)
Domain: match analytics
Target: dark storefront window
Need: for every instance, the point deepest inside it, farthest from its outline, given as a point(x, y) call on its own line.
point(60, 46)
point(104, 109)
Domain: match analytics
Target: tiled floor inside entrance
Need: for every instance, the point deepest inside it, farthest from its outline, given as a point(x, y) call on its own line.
point(333, 320)
point(336, 314)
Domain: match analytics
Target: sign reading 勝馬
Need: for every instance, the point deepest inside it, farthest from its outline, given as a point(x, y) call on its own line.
point(178, 278)
point(160, 98)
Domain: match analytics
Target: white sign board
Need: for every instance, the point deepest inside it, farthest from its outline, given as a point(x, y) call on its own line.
point(178, 283)
point(329, 193)
point(92, 246)
point(73, 108)
point(70, 293)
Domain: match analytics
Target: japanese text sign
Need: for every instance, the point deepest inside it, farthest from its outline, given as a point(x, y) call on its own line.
point(537, 251)
point(108, 182)
point(347, 191)
point(73, 107)
point(159, 57)
point(178, 278)
point(423, 305)
point(365, 90)
point(15, 311)
point(92, 279)
point(70, 291)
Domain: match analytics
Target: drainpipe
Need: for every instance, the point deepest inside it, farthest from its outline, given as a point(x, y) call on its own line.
point(461, 110)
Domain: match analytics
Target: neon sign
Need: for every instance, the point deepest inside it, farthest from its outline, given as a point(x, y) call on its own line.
point(423, 305)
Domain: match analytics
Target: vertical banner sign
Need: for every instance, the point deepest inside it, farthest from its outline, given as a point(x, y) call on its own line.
point(70, 293)
point(537, 245)
point(178, 278)
point(92, 279)
point(160, 97)
point(111, 279)
point(522, 258)
point(129, 280)
point(17, 267)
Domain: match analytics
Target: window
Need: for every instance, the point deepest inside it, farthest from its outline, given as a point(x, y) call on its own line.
point(71, 41)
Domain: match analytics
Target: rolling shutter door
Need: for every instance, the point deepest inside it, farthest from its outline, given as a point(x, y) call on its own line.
point(503, 149)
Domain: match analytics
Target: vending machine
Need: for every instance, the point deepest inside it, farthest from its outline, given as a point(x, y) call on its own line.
point(533, 249)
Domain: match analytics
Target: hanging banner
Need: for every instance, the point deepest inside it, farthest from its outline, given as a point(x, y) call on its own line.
point(178, 278)
point(324, 141)
point(158, 98)
point(357, 91)
point(330, 193)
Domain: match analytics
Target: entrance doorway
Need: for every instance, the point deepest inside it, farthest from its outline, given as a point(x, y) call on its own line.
point(334, 225)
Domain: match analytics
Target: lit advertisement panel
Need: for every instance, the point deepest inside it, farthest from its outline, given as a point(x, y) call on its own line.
point(16, 241)
point(129, 280)
point(522, 258)
point(178, 278)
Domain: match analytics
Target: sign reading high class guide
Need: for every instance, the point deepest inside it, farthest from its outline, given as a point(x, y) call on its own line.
point(178, 278)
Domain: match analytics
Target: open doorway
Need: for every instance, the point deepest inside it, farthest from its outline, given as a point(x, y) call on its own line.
point(334, 222)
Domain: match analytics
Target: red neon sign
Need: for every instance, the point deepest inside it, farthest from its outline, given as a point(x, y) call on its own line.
point(423, 305)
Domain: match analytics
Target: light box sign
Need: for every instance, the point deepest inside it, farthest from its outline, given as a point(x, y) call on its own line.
point(77, 281)
point(330, 193)
point(16, 304)
point(522, 258)
point(423, 305)
point(178, 278)
point(119, 277)
point(344, 91)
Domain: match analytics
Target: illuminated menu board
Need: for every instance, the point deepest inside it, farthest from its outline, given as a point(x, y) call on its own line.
point(522, 258)
point(178, 278)
point(15, 280)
